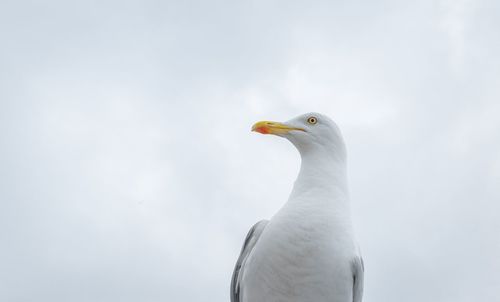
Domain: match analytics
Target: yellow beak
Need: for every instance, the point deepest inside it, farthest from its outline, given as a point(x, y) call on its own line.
point(267, 127)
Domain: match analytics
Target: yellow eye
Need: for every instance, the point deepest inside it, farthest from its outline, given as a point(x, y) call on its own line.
point(312, 120)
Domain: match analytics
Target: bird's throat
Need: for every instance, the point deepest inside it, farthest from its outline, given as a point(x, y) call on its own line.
point(322, 179)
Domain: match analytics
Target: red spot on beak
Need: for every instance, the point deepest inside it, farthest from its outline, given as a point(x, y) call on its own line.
point(263, 130)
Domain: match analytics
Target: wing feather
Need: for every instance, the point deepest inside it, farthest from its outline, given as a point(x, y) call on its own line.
point(250, 241)
point(358, 277)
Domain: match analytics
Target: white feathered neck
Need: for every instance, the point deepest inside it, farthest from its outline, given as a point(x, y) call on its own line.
point(322, 179)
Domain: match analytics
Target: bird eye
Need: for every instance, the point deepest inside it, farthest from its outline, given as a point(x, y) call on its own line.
point(312, 120)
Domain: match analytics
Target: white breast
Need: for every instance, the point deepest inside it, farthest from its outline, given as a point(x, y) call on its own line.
point(303, 255)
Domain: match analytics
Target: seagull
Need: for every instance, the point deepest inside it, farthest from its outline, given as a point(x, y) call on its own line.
point(307, 251)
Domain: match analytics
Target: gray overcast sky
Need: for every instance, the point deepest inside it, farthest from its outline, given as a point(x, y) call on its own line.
point(128, 171)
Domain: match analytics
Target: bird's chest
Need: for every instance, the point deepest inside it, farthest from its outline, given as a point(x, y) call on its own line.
point(300, 261)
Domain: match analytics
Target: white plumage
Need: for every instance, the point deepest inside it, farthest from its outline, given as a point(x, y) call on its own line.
point(307, 251)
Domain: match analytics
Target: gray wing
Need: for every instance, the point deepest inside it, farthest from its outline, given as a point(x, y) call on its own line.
point(250, 241)
point(358, 276)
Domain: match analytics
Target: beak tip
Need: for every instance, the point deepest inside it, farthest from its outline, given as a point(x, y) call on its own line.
point(257, 127)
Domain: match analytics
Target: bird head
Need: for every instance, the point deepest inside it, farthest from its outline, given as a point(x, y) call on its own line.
point(310, 132)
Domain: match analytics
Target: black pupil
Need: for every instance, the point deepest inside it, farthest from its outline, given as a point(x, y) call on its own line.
point(312, 120)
